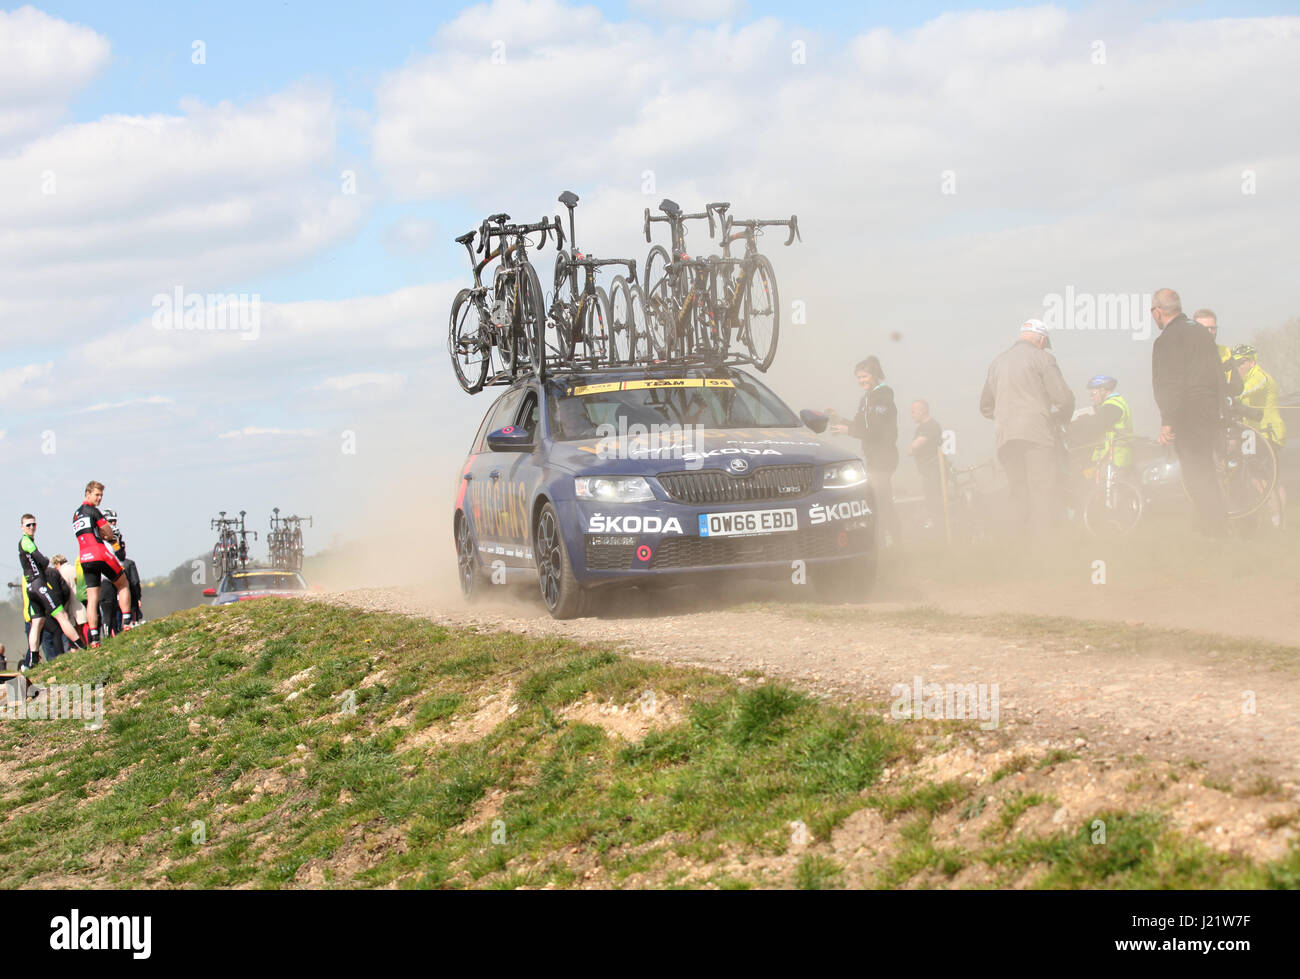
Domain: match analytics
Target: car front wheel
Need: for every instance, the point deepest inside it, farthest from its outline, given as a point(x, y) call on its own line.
point(563, 596)
point(471, 582)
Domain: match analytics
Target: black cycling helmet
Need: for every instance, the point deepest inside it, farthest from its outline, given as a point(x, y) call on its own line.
point(1244, 350)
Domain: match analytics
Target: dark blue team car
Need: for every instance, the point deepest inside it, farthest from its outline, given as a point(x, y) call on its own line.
point(592, 480)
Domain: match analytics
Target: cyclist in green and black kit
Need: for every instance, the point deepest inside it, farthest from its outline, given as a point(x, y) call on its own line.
point(39, 594)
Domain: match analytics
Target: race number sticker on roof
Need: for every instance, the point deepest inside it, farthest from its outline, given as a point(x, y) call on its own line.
point(659, 382)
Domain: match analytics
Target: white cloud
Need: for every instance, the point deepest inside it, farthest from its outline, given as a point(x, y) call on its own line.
point(691, 9)
point(254, 432)
point(98, 217)
point(350, 382)
point(155, 399)
point(410, 236)
point(44, 61)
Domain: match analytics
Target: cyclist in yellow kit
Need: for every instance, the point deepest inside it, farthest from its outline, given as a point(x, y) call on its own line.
point(1114, 425)
point(1258, 402)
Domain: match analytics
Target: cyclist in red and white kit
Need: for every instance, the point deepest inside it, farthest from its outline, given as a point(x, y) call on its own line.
point(94, 537)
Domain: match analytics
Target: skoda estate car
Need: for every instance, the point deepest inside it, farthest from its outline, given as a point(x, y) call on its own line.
point(587, 481)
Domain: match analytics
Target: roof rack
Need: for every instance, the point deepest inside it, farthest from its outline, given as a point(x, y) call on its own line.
point(564, 369)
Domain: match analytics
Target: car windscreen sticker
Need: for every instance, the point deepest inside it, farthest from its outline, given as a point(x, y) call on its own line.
point(595, 388)
point(658, 382)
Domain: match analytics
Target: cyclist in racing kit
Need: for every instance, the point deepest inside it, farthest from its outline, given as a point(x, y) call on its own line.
point(1258, 406)
point(95, 537)
point(43, 600)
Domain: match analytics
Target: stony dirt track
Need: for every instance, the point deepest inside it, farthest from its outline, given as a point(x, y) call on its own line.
point(1171, 705)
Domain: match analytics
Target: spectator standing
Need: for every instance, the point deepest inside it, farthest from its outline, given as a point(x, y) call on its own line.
point(876, 425)
point(1028, 400)
point(926, 450)
point(1190, 389)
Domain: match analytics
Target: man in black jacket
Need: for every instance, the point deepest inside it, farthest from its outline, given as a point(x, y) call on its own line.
point(1190, 391)
point(876, 424)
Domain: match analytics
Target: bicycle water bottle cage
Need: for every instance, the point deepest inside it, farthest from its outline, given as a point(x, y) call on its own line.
point(670, 207)
point(569, 198)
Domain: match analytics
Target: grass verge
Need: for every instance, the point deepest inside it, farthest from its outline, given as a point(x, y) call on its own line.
point(282, 744)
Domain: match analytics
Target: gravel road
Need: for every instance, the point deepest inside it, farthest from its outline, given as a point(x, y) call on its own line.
point(1168, 704)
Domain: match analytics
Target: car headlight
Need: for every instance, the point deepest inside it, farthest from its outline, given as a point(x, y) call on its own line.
point(844, 474)
point(613, 489)
point(1160, 472)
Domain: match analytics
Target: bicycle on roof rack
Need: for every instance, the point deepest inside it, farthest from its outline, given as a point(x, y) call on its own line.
point(226, 550)
point(242, 552)
point(748, 290)
point(285, 540)
point(675, 301)
point(514, 322)
point(606, 324)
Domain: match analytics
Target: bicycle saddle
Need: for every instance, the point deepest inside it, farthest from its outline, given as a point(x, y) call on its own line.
point(466, 238)
point(569, 198)
point(671, 208)
point(498, 218)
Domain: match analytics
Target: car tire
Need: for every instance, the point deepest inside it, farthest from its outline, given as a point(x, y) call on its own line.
point(846, 581)
point(467, 567)
point(562, 595)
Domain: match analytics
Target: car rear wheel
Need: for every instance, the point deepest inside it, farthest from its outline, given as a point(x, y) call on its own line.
point(563, 596)
point(471, 582)
point(846, 581)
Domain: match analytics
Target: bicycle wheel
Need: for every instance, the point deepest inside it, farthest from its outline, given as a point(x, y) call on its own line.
point(761, 313)
point(565, 280)
point(1249, 477)
point(1117, 516)
point(623, 337)
point(656, 264)
point(467, 342)
point(597, 328)
point(218, 563)
point(532, 319)
point(708, 320)
point(640, 325)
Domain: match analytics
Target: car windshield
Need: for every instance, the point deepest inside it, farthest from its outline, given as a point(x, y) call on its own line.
point(578, 409)
point(266, 581)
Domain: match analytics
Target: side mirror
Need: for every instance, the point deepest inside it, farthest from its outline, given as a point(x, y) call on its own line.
point(209, 593)
point(512, 438)
point(815, 420)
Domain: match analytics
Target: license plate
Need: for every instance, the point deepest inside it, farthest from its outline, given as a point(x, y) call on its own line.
point(744, 522)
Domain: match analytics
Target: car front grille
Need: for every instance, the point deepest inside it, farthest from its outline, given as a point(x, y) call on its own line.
point(766, 485)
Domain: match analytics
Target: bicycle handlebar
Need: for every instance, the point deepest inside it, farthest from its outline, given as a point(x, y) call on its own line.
point(676, 217)
point(546, 226)
point(792, 223)
point(595, 263)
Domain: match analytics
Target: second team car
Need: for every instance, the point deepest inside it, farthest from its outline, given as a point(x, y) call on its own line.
point(241, 586)
point(587, 481)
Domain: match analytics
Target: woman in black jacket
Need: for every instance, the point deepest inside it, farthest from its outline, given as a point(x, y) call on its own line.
point(876, 424)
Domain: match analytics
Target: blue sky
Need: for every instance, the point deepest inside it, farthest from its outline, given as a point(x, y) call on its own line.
point(1061, 185)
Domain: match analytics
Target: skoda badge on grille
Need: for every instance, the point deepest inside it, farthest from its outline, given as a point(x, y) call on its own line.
point(738, 465)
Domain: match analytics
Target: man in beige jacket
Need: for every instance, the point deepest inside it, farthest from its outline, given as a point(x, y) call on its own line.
point(1027, 398)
